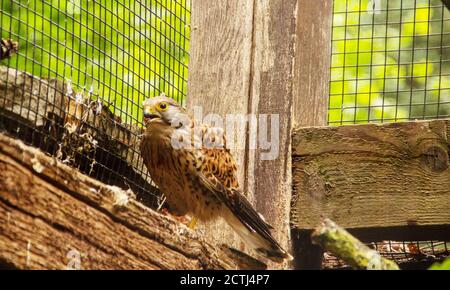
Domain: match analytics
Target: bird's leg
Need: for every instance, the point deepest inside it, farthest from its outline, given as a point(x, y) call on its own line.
point(164, 211)
point(181, 218)
point(193, 223)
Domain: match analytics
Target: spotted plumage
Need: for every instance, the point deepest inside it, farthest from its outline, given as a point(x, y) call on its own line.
point(191, 165)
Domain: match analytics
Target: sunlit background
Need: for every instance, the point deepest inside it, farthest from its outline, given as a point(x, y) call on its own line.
point(122, 51)
point(390, 62)
point(390, 59)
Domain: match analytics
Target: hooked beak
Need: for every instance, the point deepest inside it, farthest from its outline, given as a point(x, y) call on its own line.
point(150, 113)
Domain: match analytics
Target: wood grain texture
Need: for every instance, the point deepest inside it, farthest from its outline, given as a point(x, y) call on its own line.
point(241, 62)
point(219, 77)
point(48, 209)
point(269, 180)
point(372, 176)
point(311, 92)
point(219, 65)
point(312, 63)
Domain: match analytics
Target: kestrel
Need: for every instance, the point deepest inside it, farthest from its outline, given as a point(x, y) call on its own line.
point(197, 173)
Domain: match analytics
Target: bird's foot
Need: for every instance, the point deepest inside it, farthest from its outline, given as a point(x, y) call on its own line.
point(181, 218)
point(165, 211)
point(193, 223)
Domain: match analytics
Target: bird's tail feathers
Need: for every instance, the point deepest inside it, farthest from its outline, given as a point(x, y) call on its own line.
point(263, 246)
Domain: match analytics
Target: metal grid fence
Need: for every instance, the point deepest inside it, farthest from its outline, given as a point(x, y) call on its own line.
point(83, 60)
point(390, 61)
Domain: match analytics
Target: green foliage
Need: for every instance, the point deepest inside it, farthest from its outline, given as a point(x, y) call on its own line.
point(441, 266)
point(124, 51)
point(387, 61)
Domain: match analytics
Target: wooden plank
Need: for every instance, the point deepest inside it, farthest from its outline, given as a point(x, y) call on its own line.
point(219, 76)
point(243, 60)
point(373, 176)
point(311, 93)
point(312, 63)
point(49, 210)
point(269, 177)
point(219, 61)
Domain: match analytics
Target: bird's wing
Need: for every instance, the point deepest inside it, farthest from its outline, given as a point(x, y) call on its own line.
point(217, 159)
point(219, 175)
point(239, 206)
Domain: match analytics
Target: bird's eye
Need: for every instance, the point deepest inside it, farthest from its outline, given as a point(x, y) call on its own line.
point(163, 106)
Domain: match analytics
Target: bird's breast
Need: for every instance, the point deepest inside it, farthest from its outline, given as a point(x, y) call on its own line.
point(175, 172)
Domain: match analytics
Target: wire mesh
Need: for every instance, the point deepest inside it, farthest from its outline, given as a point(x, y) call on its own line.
point(408, 254)
point(95, 61)
point(390, 61)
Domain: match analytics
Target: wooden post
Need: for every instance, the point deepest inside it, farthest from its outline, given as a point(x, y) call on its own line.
point(269, 181)
point(311, 91)
point(219, 78)
point(249, 57)
point(312, 64)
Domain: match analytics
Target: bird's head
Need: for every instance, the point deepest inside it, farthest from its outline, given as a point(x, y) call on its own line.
point(162, 109)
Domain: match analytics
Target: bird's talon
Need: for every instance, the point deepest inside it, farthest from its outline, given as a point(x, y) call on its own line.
point(182, 219)
point(193, 223)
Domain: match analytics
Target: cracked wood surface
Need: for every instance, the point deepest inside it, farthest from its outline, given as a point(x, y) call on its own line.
point(373, 176)
point(49, 211)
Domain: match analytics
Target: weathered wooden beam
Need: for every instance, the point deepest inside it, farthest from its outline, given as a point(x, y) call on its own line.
point(48, 114)
point(243, 61)
point(219, 75)
point(271, 93)
point(312, 63)
point(311, 94)
point(390, 176)
point(51, 214)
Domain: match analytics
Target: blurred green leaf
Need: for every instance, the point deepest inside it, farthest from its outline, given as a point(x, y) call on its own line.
point(125, 50)
point(441, 266)
point(387, 62)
